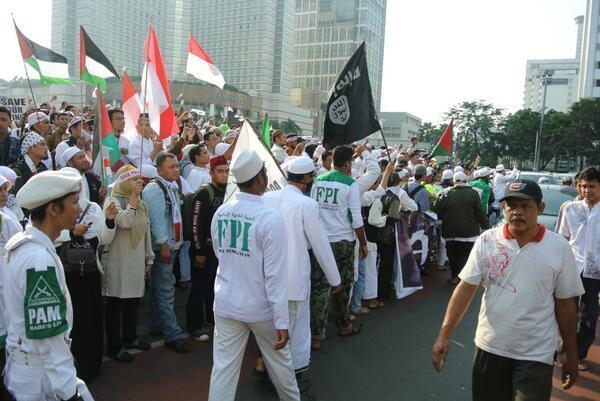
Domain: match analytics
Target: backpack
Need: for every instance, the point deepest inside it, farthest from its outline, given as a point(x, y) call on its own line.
point(385, 234)
point(187, 210)
point(416, 189)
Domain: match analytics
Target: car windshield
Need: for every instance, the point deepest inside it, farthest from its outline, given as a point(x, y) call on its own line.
point(536, 177)
point(554, 198)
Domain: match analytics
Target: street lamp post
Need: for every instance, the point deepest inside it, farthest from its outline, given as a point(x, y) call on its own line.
point(546, 79)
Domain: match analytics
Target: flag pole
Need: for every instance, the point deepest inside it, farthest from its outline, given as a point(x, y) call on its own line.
point(81, 92)
point(98, 98)
point(25, 68)
point(29, 82)
point(146, 46)
point(451, 161)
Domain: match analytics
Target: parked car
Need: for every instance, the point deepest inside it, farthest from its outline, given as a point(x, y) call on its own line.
point(535, 176)
point(553, 197)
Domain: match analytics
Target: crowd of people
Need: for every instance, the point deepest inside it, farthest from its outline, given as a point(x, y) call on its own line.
point(79, 252)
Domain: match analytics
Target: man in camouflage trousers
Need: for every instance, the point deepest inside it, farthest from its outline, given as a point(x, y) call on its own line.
point(338, 197)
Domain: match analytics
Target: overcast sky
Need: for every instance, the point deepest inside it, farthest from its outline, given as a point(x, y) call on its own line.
point(437, 52)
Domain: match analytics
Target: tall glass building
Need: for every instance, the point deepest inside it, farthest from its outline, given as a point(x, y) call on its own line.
point(326, 33)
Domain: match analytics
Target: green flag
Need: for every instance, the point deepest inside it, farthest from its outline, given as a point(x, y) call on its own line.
point(265, 132)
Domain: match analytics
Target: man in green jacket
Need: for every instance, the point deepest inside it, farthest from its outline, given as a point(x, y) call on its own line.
point(462, 217)
point(483, 184)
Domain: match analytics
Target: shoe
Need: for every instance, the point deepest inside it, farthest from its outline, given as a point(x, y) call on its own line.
point(354, 330)
point(123, 356)
point(199, 335)
point(582, 365)
point(179, 346)
point(141, 345)
point(361, 311)
point(202, 338)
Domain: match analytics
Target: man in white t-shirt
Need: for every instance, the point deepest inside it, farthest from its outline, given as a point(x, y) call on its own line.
point(530, 280)
point(580, 224)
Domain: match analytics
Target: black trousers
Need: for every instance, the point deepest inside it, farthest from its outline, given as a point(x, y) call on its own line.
point(386, 269)
point(497, 378)
point(199, 307)
point(458, 254)
point(588, 307)
point(120, 321)
point(4, 394)
point(87, 332)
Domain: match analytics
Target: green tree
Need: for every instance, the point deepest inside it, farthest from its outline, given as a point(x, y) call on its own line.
point(476, 130)
point(520, 130)
point(430, 134)
point(585, 122)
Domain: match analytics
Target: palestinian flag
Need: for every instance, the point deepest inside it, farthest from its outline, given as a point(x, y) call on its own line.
point(94, 66)
point(105, 147)
point(50, 66)
point(444, 145)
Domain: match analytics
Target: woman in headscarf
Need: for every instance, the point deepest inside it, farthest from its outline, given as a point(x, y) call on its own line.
point(8, 203)
point(94, 229)
point(127, 262)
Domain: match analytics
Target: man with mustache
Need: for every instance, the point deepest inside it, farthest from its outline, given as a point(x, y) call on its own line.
point(530, 279)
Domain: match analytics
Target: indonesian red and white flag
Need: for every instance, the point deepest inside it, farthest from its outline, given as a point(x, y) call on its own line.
point(132, 107)
point(200, 65)
point(158, 100)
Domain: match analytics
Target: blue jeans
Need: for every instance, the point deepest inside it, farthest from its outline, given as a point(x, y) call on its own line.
point(359, 286)
point(162, 299)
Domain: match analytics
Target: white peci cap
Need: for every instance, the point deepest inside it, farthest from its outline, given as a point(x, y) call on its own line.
point(247, 166)
point(301, 165)
point(447, 174)
point(70, 152)
point(460, 176)
point(47, 186)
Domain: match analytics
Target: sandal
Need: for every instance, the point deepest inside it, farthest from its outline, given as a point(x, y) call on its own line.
point(361, 311)
point(376, 304)
point(259, 373)
point(355, 330)
point(315, 345)
point(453, 281)
point(353, 318)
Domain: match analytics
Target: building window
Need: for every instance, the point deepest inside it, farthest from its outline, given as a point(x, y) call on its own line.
point(598, 83)
point(598, 66)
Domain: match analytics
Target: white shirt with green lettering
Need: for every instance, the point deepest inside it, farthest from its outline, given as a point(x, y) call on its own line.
point(38, 308)
point(338, 197)
point(249, 239)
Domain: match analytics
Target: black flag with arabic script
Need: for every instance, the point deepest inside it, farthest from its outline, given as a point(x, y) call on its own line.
point(350, 113)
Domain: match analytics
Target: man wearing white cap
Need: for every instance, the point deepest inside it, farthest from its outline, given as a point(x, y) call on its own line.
point(92, 188)
point(500, 181)
point(249, 239)
point(304, 229)
point(39, 123)
point(34, 151)
point(144, 148)
point(76, 139)
point(278, 148)
point(38, 306)
point(485, 190)
point(460, 210)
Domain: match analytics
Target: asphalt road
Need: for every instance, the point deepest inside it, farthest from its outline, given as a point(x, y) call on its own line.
point(389, 360)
